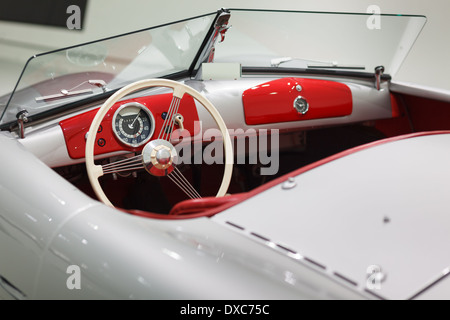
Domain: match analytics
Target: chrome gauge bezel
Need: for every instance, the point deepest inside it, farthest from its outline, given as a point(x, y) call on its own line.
point(150, 117)
point(301, 105)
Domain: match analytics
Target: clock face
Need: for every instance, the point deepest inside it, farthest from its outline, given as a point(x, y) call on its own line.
point(133, 124)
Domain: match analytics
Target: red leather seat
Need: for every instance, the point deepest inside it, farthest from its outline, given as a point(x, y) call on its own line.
point(193, 206)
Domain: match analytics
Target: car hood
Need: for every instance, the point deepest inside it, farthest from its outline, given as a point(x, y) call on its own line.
point(363, 218)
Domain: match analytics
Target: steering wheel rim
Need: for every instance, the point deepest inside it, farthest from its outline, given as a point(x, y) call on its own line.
point(96, 171)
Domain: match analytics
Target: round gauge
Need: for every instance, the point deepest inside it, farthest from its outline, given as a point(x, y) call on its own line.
point(301, 105)
point(133, 124)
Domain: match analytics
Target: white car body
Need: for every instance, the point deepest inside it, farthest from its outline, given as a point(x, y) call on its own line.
point(368, 222)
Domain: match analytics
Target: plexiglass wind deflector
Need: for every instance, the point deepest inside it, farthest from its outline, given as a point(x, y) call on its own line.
point(63, 77)
point(359, 42)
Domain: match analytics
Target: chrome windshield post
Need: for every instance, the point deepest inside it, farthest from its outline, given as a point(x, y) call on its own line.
point(99, 83)
point(378, 73)
point(22, 118)
point(220, 28)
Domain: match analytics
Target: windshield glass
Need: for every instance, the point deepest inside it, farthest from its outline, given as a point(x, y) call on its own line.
point(312, 40)
point(254, 38)
point(64, 76)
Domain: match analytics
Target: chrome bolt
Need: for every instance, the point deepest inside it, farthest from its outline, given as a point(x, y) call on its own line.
point(289, 184)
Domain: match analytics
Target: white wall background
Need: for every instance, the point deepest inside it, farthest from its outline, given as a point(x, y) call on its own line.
point(427, 64)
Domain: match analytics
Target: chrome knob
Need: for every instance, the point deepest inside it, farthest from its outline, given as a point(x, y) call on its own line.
point(163, 156)
point(301, 105)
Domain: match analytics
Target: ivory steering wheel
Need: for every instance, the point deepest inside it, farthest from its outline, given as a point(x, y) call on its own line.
point(158, 156)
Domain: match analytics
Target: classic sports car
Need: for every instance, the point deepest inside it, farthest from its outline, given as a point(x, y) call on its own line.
point(223, 157)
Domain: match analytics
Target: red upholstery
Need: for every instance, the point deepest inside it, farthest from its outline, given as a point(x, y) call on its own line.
point(193, 206)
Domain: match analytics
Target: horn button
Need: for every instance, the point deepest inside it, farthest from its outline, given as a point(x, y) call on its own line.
point(158, 157)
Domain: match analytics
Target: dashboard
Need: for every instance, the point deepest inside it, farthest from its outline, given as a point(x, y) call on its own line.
point(283, 103)
point(127, 126)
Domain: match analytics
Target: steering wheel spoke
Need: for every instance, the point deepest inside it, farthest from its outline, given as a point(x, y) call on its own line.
point(97, 171)
point(169, 122)
point(180, 180)
point(128, 164)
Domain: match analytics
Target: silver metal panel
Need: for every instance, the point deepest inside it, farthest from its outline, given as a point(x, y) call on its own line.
point(386, 206)
point(4, 295)
point(49, 146)
point(127, 257)
point(438, 290)
point(35, 201)
point(420, 91)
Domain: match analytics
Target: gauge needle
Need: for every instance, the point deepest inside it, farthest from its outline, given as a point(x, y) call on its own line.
point(131, 126)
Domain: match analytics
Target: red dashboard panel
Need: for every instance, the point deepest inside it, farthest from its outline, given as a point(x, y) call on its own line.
point(273, 101)
point(75, 128)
